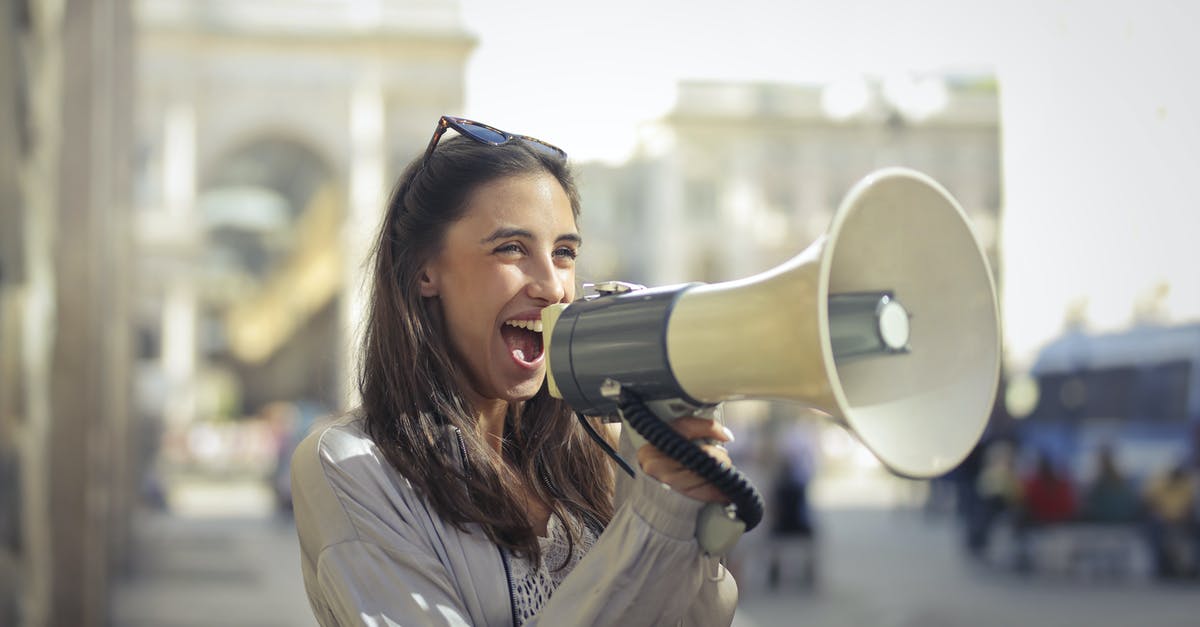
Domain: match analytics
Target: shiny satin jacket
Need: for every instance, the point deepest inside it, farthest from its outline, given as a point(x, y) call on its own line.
point(374, 553)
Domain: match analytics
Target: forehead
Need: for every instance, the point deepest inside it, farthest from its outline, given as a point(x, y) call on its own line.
point(535, 202)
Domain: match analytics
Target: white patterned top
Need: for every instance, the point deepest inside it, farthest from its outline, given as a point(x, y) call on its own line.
point(531, 587)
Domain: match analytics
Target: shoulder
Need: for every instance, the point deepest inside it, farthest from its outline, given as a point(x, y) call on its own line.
point(338, 446)
point(338, 441)
point(344, 455)
point(344, 488)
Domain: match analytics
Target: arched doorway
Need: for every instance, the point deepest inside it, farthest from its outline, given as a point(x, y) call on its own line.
point(269, 330)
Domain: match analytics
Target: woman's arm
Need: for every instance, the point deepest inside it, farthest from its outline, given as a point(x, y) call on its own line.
point(646, 568)
point(361, 583)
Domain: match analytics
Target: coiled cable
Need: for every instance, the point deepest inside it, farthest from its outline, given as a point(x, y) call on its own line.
point(727, 479)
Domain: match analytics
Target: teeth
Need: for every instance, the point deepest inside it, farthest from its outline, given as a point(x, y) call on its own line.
point(530, 325)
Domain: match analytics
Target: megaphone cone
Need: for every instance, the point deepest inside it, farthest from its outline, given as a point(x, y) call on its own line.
point(916, 384)
point(897, 232)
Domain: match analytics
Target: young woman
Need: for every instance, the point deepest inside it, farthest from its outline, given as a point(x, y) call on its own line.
point(461, 492)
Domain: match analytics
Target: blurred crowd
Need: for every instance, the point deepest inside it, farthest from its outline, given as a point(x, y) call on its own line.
point(1112, 515)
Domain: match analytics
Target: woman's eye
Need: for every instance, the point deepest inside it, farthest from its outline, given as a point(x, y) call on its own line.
point(566, 253)
point(509, 249)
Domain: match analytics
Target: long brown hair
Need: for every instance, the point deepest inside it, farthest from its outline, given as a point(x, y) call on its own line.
point(411, 383)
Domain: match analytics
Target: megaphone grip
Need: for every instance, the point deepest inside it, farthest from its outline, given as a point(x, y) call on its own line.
point(722, 476)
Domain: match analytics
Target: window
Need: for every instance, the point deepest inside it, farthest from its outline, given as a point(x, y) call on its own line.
point(1156, 393)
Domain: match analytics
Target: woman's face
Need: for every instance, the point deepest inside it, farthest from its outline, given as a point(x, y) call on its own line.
point(509, 256)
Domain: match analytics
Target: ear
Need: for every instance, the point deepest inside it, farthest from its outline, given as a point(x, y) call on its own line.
point(428, 282)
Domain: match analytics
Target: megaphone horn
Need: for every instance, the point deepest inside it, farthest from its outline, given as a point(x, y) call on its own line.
point(888, 323)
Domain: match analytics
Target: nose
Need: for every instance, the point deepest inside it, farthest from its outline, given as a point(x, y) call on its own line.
point(548, 283)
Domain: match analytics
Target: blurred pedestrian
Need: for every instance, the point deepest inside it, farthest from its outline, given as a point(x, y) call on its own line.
point(1172, 521)
point(1047, 494)
point(792, 529)
point(998, 493)
point(1110, 497)
point(1047, 498)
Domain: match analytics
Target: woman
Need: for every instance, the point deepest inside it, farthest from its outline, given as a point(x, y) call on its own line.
point(461, 492)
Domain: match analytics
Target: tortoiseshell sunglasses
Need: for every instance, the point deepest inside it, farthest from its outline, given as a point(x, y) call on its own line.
point(485, 134)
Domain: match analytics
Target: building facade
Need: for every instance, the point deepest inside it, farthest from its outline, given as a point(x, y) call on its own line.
point(739, 177)
point(268, 136)
point(187, 192)
point(66, 74)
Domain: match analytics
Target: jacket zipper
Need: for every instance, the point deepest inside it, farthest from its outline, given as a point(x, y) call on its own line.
point(462, 451)
point(590, 521)
point(512, 595)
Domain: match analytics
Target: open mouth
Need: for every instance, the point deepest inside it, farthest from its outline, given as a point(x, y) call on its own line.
point(523, 338)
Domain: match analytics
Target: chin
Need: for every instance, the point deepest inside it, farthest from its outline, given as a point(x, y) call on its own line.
point(525, 390)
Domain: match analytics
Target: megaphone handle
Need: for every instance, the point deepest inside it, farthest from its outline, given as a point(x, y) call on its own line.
point(667, 411)
point(717, 527)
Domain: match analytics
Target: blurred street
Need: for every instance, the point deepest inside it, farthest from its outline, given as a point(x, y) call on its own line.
point(224, 558)
point(228, 560)
point(902, 569)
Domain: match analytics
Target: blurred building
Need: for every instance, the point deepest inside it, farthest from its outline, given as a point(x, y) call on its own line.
point(268, 135)
point(187, 191)
point(742, 176)
point(66, 433)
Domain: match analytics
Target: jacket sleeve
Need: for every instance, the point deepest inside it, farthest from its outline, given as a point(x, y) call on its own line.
point(362, 583)
point(646, 568)
point(364, 568)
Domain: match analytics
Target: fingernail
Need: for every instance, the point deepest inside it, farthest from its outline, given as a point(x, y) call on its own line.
point(728, 434)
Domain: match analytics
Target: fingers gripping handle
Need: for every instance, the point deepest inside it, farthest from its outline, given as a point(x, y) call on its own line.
point(717, 527)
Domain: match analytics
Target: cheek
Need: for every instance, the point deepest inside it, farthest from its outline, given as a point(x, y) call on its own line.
point(569, 281)
point(460, 310)
point(474, 306)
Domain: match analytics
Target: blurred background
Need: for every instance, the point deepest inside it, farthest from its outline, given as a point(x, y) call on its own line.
point(188, 188)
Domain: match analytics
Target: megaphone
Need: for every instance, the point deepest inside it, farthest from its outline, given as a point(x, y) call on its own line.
point(888, 323)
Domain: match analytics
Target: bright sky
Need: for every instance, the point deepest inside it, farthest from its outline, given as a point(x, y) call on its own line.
point(585, 73)
point(1099, 107)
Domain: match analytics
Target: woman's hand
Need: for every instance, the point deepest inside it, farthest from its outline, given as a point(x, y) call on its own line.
point(656, 464)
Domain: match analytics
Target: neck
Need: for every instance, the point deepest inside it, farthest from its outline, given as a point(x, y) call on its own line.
point(490, 417)
point(491, 414)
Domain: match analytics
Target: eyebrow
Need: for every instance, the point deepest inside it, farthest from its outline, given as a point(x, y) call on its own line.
point(506, 232)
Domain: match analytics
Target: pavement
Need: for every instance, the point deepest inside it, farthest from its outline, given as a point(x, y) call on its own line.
point(223, 557)
point(900, 568)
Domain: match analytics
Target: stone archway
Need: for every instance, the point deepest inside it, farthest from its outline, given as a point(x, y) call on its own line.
point(270, 211)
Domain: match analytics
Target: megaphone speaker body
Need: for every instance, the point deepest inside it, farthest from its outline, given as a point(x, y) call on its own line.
point(770, 336)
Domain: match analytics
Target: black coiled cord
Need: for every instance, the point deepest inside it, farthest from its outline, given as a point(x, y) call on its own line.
point(724, 477)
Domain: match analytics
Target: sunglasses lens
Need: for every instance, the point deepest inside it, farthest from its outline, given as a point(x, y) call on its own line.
point(484, 134)
point(544, 148)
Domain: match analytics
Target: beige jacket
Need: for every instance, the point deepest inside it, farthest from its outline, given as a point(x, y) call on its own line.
point(374, 553)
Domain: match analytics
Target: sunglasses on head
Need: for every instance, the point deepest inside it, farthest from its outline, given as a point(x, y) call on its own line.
point(489, 135)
